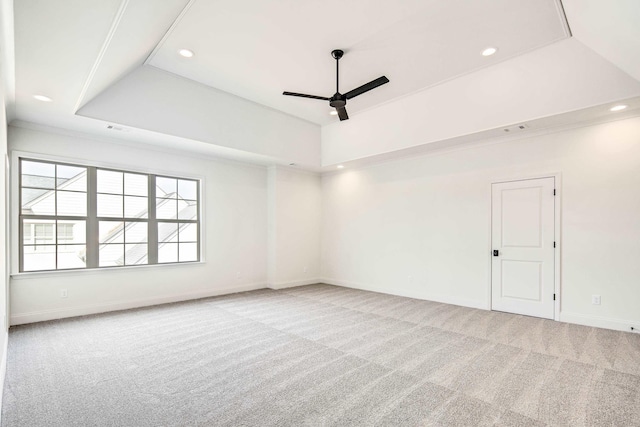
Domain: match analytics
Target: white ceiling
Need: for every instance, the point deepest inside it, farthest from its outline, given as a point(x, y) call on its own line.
point(71, 50)
point(257, 49)
point(612, 29)
point(82, 53)
point(564, 77)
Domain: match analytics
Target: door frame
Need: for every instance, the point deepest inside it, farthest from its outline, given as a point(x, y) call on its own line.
point(557, 256)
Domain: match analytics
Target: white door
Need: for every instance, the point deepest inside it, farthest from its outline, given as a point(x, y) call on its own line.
point(522, 236)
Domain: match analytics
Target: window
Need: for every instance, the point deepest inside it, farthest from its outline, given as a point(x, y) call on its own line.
point(123, 213)
point(53, 216)
point(85, 217)
point(177, 213)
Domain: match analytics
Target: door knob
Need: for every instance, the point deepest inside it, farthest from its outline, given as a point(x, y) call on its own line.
point(496, 252)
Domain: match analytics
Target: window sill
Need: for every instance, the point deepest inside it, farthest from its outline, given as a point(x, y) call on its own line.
point(100, 270)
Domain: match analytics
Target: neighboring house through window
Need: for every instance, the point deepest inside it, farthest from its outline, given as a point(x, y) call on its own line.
point(80, 216)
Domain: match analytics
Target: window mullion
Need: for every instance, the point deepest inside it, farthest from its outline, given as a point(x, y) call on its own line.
point(21, 222)
point(55, 222)
point(152, 231)
point(92, 218)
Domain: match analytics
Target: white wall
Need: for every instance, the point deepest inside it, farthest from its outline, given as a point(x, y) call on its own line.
point(417, 227)
point(4, 257)
point(420, 226)
point(235, 227)
point(294, 227)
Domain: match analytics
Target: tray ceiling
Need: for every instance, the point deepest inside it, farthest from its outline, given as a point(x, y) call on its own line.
point(116, 62)
point(256, 49)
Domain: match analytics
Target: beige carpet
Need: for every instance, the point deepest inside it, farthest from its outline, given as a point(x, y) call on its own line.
point(319, 355)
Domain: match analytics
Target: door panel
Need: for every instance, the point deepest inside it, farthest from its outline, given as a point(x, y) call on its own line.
point(522, 231)
point(521, 279)
point(521, 218)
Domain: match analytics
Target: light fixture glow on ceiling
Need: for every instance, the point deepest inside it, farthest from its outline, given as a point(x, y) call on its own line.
point(489, 51)
point(618, 108)
point(186, 53)
point(333, 112)
point(42, 98)
point(340, 166)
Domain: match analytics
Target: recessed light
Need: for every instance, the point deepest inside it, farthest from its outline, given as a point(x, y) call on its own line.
point(489, 51)
point(340, 166)
point(618, 108)
point(42, 98)
point(186, 53)
point(333, 112)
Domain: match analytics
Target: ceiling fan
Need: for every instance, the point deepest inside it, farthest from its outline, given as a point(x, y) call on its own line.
point(338, 100)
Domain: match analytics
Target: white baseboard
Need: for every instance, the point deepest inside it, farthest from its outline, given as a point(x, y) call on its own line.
point(61, 313)
point(600, 322)
point(446, 299)
point(3, 367)
point(284, 285)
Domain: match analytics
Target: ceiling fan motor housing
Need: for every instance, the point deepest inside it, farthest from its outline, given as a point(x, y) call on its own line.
point(338, 100)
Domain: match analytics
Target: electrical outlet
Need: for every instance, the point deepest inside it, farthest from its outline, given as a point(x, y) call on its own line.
point(595, 299)
point(63, 293)
point(304, 270)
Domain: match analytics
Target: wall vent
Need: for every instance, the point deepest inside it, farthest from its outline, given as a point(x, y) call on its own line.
point(118, 128)
point(516, 128)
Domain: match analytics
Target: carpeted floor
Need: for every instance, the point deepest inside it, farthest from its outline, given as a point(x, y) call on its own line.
point(319, 355)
